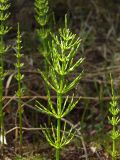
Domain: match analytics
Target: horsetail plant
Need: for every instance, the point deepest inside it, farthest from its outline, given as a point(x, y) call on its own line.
point(19, 77)
point(4, 29)
point(63, 50)
point(114, 120)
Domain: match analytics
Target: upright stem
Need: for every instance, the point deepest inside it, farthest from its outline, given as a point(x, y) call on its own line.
point(19, 79)
point(20, 117)
point(113, 146)
point(46, 86)
point(58, 139)
point(59, 106)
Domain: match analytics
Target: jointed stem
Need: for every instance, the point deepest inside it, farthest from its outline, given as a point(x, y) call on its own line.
point(113, 146)
point(20, 117)
point(19, 78)
point(58, 139)
point(59, 107)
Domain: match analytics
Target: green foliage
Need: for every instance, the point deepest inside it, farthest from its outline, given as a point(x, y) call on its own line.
point(114, 121)
point(19, 77)
point(63, 50)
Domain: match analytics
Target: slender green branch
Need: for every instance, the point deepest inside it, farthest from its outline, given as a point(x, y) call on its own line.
point(19, 77)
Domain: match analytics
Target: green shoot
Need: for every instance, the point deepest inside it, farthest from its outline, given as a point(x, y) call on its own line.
point(19, 77)
point(114, 120)
point(4, 6)
point(63, 50)
point(41, 9)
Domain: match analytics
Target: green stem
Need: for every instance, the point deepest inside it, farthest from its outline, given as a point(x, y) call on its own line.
point(59, 102)
point(20, 109)
point(46, 86)
point(59, 106)
point(20, 117)
point(113, 146)
point(58, 139)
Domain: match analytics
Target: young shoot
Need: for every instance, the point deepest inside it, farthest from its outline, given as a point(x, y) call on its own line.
point(63, 50)
point(114, 120)
point(19, 77)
